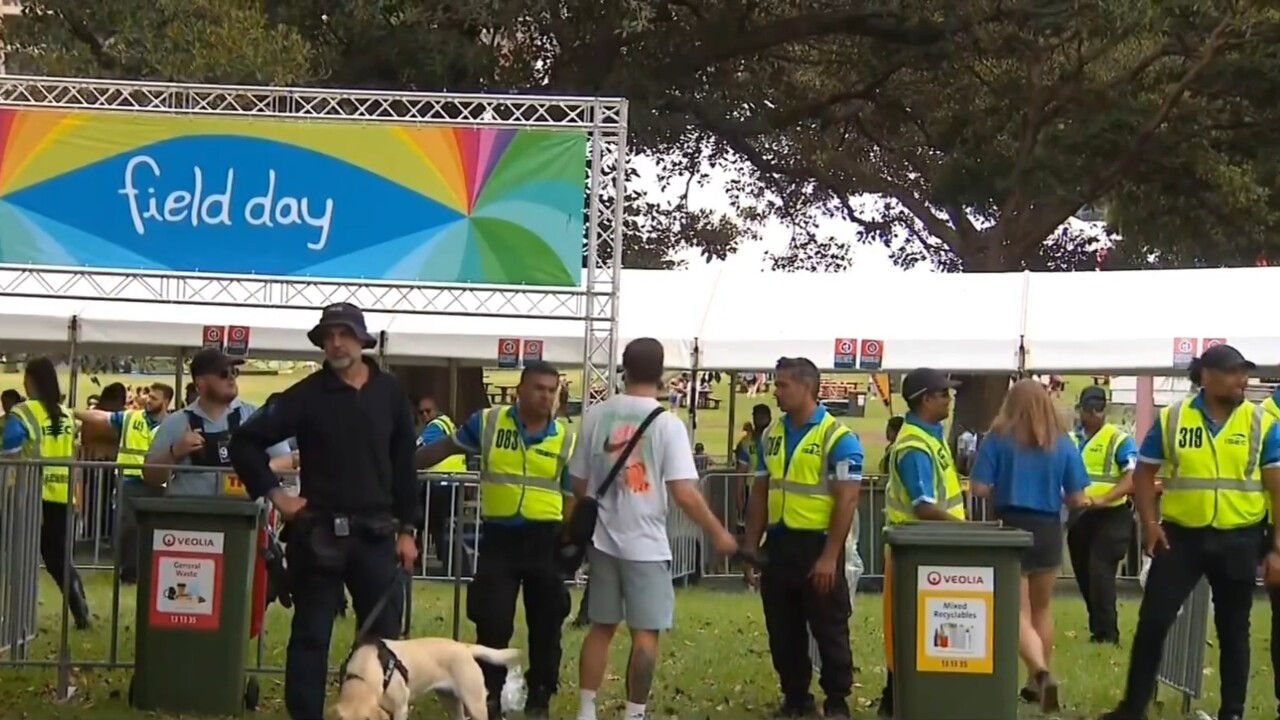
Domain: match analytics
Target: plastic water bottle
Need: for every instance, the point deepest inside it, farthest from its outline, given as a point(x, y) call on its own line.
point(513, 691)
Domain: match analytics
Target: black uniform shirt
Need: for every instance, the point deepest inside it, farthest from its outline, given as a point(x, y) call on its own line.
point(355, 447)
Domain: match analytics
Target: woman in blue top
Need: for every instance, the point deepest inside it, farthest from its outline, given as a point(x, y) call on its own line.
point(1028, 465)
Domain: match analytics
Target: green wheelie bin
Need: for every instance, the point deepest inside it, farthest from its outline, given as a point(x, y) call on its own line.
point(195, 580)
point(955, 612)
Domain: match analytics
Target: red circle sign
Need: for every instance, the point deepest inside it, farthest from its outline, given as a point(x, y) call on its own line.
point(168, 540)
point(508, 347)
point(845, 347)
point(1212, 342)
point(213, 334)
point(933, 578)
point(533, 347)
point(1184, 345)
point(237, 334)
point(872, 347)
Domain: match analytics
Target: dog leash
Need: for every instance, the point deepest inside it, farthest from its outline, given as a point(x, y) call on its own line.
point(397, 584)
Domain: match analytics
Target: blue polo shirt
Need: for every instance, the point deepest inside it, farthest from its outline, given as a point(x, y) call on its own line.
point(1029, 479)
point(1152, 450)
point(468, 438)
point(1126, 456)
point(844, 462)
point(915, 466)
point(432, 432)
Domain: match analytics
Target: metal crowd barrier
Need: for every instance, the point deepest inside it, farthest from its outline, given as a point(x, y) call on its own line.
point(450, 553)
point(1182, 664)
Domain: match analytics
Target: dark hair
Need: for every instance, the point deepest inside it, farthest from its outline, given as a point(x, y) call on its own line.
point(11, 396)
point(895, 423)
point(761, 408)
point(114, 393)
point(643, 361)
point(1195, 371)
point(43, 377)
point(538, 367)
point(188, 391)
point(803, 369)
point(165, 390)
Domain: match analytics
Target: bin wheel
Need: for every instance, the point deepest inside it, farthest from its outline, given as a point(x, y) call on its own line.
point(131, 697)
point(251, 696)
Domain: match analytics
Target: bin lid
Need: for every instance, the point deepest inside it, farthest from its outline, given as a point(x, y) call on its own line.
point(965, 534)
point(226, 507)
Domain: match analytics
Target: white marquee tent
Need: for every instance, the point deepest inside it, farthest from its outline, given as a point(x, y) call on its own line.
point(725, 318)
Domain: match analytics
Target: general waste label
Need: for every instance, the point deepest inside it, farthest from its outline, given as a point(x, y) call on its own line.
point(186, 578)
point(955, 607)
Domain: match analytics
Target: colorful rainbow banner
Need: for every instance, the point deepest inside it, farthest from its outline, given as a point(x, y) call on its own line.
point(282, 197)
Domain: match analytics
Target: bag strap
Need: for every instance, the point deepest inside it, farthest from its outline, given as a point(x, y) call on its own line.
point(626, 453)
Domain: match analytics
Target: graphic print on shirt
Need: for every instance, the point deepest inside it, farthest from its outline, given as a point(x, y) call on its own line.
point(634, 473)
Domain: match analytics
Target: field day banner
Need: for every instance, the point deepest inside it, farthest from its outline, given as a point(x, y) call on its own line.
point(282, 197)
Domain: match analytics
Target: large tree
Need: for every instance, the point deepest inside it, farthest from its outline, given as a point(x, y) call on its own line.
point(979, 126)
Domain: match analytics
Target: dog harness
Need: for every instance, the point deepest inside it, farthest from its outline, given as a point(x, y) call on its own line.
point(387, 659)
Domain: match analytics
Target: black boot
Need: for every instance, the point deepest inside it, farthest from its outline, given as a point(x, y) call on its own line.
point(537, 706)
point(495, 709)
point(79, 605)
point(836, 709)
point(885, 710)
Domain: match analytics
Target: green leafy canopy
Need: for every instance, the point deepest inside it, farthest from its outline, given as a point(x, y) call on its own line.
point(985, 124)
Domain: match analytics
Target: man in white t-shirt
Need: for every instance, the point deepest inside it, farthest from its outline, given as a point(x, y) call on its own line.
point(630, 557)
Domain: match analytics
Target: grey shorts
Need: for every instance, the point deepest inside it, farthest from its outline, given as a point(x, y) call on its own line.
point(638, 592)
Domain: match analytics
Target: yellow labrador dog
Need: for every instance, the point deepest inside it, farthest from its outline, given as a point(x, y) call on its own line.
point(382, 677)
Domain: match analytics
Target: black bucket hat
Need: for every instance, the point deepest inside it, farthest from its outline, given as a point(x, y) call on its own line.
point(345, 315)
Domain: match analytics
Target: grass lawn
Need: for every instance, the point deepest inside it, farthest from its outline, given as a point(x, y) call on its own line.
point(715, 663)
point(713, 425)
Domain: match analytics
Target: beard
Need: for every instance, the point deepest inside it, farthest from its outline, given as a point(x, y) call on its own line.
point(340, 363)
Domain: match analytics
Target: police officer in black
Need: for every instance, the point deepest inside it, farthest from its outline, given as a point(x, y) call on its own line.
point(354, 520)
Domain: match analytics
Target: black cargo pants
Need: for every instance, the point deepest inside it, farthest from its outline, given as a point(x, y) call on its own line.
point(370, 570)
point(1097, 542)
point(793, 609)
point(513, 558)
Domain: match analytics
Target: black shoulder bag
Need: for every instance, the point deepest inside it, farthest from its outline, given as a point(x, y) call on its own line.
point(582, 523)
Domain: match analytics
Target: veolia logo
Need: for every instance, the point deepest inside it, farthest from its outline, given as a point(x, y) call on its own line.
point(191, 542)
point(933, 577)
point(937, 578)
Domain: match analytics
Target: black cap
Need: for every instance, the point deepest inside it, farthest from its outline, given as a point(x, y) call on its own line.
point(212, 361)
point(925, 380)
point(1224, 357)
point(1093, 392)
point(346, 315)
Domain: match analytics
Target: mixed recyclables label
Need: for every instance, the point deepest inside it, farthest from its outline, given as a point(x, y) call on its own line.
point(955, 607)
point(186, 578)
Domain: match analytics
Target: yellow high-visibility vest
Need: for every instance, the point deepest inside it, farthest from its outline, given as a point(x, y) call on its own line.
point(947, 490)
point(1099, 455)
point(1213, 480)
point(453, 463)
point(800, 491)
point(516, 480)
point(43, 443)
point(1270, 406)
point(135, 440)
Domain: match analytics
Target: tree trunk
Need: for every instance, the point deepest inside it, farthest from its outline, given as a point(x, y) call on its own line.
point(420, 380)
point(978, 400)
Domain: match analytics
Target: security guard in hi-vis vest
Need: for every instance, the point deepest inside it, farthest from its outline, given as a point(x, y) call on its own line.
point(1219, 456)
point(438, 497)
point(1098, 535)
point(808, 473)
point(42, 429)
point(525, 488)
point(923, 482)
point(136, 429)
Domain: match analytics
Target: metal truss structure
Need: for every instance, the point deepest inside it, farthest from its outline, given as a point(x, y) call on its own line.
point(595, 304)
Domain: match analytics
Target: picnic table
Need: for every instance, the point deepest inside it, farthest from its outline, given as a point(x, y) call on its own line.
point(500, 394)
